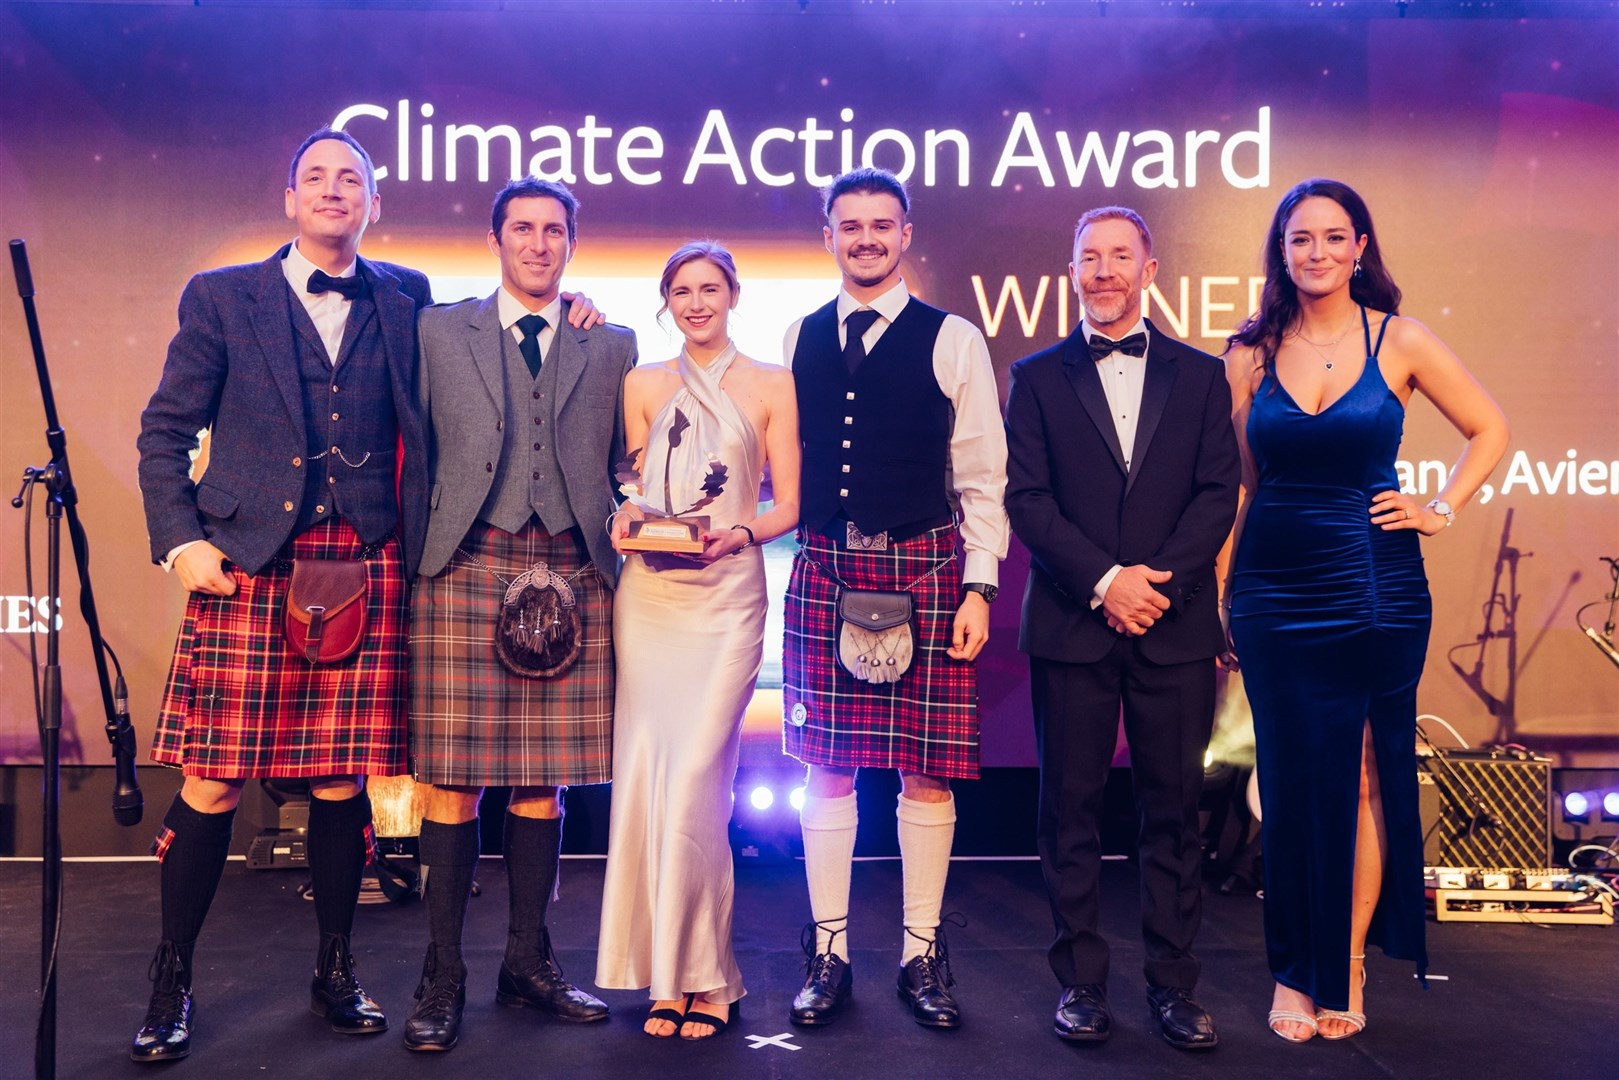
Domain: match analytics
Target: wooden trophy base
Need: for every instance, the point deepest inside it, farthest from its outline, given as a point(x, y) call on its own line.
point(682, 535)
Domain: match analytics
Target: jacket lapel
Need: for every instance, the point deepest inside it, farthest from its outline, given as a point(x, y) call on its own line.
point(1160, 378)
point(570, 358)
point(272, 326)
point(1080, 371)
point(485, 343)
point(397, 313)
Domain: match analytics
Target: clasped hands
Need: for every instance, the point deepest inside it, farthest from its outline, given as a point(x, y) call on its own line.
point(1132, 605)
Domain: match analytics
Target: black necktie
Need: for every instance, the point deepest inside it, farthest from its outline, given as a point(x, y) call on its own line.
point(1102, 348)
point(351, 287)
point(531, 325)
point(855, 327)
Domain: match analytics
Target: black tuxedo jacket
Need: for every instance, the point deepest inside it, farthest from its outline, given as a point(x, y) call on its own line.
point(1079, 513)
point(233, 370)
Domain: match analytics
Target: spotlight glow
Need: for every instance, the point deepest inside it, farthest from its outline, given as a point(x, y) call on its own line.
point(761, 797)
point(795, 798)
point(1576, 805)
point(1610, 804)
point(1208, 758)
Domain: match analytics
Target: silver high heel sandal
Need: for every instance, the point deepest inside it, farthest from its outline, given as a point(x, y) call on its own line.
point(1355, 1019)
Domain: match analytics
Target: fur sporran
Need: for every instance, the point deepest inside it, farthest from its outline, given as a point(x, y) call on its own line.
point(876, 634)
point(538, 634)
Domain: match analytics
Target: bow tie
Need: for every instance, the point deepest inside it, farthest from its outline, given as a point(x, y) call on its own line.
point(1102, 348)
point(351, 287)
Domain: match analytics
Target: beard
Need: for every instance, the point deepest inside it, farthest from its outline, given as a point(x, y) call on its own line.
point(1105, 308)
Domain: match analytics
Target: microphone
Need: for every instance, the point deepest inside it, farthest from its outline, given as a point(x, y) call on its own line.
point(127, 804)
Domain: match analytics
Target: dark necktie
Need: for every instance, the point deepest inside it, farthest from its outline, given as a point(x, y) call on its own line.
point(1102, 348)
point(854, 347)
point(351, 287)
point(531, 325)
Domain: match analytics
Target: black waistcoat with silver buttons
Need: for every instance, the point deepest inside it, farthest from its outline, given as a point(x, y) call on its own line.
point(876, 443)
point(350, 422)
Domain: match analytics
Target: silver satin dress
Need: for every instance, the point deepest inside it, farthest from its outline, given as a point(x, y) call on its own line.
point(689, 642)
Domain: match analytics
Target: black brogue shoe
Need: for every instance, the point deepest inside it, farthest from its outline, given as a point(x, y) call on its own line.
point(435, 1022)
point(336, 994)
point(538, 983)
point(925, 982)
point(165, 1034)
point(828, 982)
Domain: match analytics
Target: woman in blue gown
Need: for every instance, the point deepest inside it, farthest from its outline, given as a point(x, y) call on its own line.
point(1328, 603)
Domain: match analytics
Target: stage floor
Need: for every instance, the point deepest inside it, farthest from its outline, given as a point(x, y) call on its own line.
point(1518, 1001)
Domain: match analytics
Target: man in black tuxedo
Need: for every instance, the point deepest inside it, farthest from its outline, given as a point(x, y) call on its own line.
point(1122, 482)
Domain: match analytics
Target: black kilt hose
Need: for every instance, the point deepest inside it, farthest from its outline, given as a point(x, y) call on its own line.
point(240, 703)
point(475, 724)
point(927, 722)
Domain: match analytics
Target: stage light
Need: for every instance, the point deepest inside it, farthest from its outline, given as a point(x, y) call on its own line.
point(761, 797)
point(1576, 806)
point(1610, 806)
point(795, 797)
point(1208, 758)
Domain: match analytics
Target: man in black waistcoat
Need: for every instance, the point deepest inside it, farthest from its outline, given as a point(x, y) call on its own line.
point(302, 370)
point(904, 462)
point(1122, 481)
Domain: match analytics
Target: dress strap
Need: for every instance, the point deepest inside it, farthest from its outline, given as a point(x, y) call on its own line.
point(1382, 328)
point(1366, 331)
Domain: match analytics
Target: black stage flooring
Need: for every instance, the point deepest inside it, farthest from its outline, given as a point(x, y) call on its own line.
point(1519, 1001)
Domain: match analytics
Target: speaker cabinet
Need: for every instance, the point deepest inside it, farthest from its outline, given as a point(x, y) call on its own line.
point(1494, 808)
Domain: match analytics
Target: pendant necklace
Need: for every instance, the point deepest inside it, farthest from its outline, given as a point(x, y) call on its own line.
point(1321, 347)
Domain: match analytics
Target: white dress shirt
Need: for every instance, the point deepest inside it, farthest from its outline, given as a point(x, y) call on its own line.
point(962, 367)
point(1123, 377)
point(512, 309)
point(329, 311)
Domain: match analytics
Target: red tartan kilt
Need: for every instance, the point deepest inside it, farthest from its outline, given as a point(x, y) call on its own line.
point(475, 724)
point(240, 703)
point(925, 723)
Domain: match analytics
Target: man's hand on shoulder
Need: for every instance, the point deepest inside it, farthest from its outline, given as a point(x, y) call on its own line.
point(582, 313)
point(200, 568)
point(1132, 604)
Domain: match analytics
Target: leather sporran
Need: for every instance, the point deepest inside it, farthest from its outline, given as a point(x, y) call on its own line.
point(538, 633)
point(325, 615)
point(876, 634)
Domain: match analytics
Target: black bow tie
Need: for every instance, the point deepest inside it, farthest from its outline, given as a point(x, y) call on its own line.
point(351, 287)
point(1102, 348)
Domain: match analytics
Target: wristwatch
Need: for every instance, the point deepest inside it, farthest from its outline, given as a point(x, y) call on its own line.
point(1443, 508)
point(988, 592)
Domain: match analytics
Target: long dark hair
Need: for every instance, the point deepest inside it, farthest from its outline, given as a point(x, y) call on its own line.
point(1371, 286)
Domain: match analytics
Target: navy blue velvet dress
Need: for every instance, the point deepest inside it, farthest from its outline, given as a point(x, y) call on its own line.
point(1330, 617)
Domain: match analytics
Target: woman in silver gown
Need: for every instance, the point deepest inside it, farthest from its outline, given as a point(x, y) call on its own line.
point(688, 633)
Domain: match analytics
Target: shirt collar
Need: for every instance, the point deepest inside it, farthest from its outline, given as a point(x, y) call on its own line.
point(888, 305)
point(512, 309)
point(297, 269)
point(1086, 329)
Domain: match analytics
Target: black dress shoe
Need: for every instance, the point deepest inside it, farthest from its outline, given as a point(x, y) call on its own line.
point(435, 1023)
point(336, 994)
point(1083, 1015)
point(165, 1034)
point(1184, 1023)
point(826, 989)
point(537, 983)
point(828, 983)
point(925, 982)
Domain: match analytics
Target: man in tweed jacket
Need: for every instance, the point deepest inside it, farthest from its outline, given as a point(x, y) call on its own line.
point(302, 370)
point(526, 426)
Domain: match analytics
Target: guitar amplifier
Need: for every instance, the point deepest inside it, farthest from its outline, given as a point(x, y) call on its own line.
point(1494, 808)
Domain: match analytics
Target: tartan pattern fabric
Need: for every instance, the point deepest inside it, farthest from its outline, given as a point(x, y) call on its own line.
point(473, 723)
point(240, 703)
point(927, 722)
point(162, 842)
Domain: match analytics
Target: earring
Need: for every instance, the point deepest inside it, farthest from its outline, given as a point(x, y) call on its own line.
point(1357, 266)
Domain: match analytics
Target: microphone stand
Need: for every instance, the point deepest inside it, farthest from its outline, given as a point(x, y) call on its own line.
point(63, 502)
